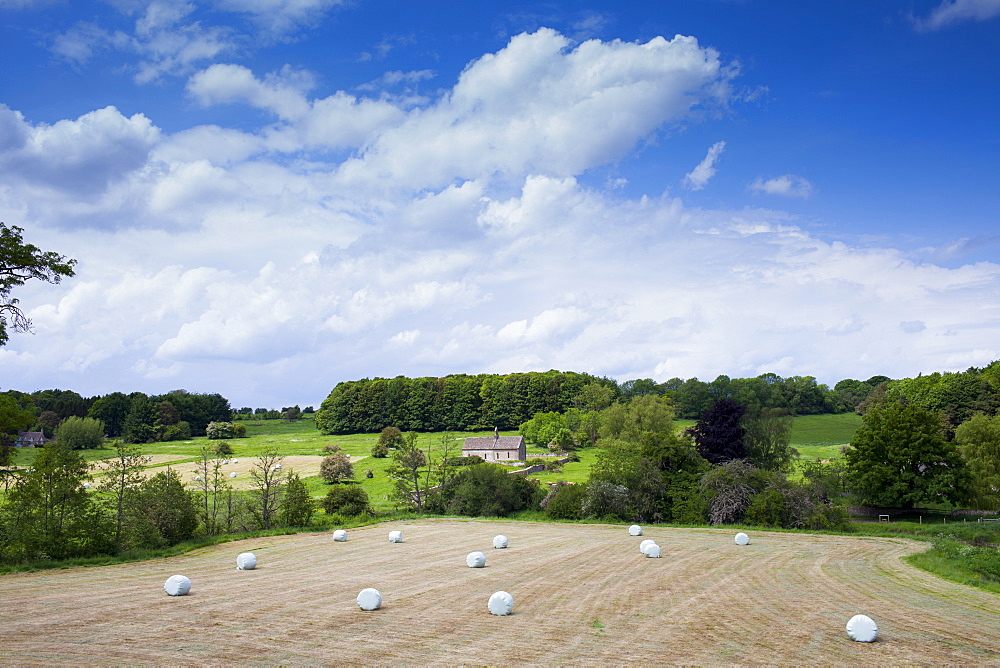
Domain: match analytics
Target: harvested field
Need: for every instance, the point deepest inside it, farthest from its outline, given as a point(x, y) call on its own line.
point(304, 465)
point(583, 594)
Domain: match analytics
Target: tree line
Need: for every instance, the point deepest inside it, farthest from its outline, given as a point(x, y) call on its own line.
point(61, 507)
point(469, 403)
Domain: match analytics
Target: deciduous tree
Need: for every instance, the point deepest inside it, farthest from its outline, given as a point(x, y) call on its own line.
point(899, 457)
point(19, 263)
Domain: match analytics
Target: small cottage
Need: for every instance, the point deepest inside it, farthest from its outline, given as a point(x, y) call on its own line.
point(30, 439)
point(496, 448)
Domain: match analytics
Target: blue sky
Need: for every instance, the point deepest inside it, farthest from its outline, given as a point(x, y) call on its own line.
point(266, 197)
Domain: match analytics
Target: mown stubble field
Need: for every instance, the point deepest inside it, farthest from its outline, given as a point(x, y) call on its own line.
point(583, 595)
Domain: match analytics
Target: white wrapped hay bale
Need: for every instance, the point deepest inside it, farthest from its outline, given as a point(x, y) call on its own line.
point(86, 485)
point(370, 599)
point(395, 536)
point(340, 535)
point(862, 628)
point(652, 551)
point(499, 542)
point(742, 539)
point(236, 461)
point(177, 585)
point(645, 543)
point(247, 561)
point(233, 474)
point(501, 603)
point(476, 560)
point(635, 530)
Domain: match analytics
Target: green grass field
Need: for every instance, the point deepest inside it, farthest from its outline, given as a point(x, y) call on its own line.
point(814, 436)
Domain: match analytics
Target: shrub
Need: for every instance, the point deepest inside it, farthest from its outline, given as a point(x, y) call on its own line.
point(216, 430)
point(346, 500)
point(380, 450)
point(77, 433)
point(567, 502)
point(239, 431)
point(297, 506)
point(223, 449)
point(606, 499)
point(335, 467)
point(485, 490)
point(176, 432)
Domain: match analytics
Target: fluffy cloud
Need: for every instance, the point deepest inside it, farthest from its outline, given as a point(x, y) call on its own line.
point(788, 185)
point(453, 236)
point(699, 177)
point(958, 11)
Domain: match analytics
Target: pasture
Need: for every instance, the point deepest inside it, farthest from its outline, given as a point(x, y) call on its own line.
point(583, 594)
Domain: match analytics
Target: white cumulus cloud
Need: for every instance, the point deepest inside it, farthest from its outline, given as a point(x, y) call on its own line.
point(699, 177)
point(788, 185)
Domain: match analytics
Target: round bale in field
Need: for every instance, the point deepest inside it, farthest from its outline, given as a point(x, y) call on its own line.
point(476, 560)
point(862, 628)
point(233, 474)
point(501, 603)
point(499, 542)
point(370, 599)
point(652, 550)
point(395, 536)
point(635, 530)
point(643, 544)
point(340, 535)
point(742, 539)
point(177, 585)
point(247, 561)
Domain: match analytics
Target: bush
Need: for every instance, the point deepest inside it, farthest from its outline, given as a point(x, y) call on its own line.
point(176, 432)
point(335, 467)
point(77, 433)
point(346, 500)
point(380, 450)
point(216, 430)
point(239, 431)
point(567, 502)
point(223, 449)
point(606, 499)
point(297, 506)
point(485, 490)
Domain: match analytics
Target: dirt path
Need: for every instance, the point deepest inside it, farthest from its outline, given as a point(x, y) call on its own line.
point(583, 595)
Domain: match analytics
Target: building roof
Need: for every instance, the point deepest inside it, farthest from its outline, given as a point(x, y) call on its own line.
point(493, 443)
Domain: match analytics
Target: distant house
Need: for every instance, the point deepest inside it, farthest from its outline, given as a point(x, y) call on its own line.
point(30, 439)
point(495, 448)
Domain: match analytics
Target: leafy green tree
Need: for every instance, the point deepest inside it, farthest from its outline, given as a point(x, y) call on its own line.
point(19, 263)
point(487, 490)
point(13, 416)
point(899, 457)
point(335, 467)
point(543, 428)
point(978, 440)
point(140, 423)
point(48, 514)
point(346, 500)
point(120, 483)
point(268, 482)
point(644, 415)
point(297, 506)
point(566, 503)
point(78, 433)
point(767, 433)
point(47, 422)
point(405, 471)
point(165, 512)
point(718, 435)
point(112, 410)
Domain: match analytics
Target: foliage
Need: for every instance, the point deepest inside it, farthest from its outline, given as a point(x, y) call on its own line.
point(606, 499)
point(488, 490)
point(111, 409)
point(268, 486)
point(978, 440)
point(347, 500)
point(335, 467)
point(140, 423)
point(566, 502)
point(729, 489)
point(220, 430)
point(955, 397)
point(19, 263)
point(543, 428)
point(48, 514)
point(14, 416)
point(166, 510)
point(766, 436)
point(78, 433)
point(297, 506)
point(120, 483)
point(719, 433)
point(407, 462)
point(899, 457)
point(224, 449)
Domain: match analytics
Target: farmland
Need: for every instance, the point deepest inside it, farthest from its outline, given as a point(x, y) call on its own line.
point(583, 595)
